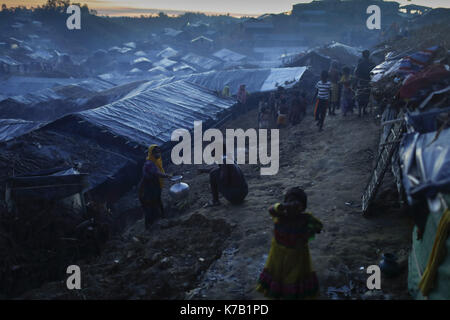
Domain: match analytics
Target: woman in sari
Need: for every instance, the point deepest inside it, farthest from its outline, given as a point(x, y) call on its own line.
point(151, 185)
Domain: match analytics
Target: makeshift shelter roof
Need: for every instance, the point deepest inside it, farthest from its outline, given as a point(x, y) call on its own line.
point(201, 38)
point(150, 116)
point(141, 59)
point(135, 70)
point(120, 50)
point(9, 61)
point(313, 59)
point(56, 184)
point(40, 55)
point(340, 52)
point(228, 55)
point(142, 63)
point(64, 91)
point(131, 45)
point(200, 61)
point(158, 70)
point(183, 68)
point(167, 53)
point(11, 128)
point(256, 80)
point(140, 53)
point(165, 63)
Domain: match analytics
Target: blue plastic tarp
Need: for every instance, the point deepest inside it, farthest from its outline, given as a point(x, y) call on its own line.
point(12, 128)
point(425, 121)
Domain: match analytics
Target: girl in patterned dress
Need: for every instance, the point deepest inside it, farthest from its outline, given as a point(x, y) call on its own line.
point(288, 273)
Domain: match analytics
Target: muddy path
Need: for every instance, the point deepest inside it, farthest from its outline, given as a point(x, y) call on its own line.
point(333, 167)
point(218, 253)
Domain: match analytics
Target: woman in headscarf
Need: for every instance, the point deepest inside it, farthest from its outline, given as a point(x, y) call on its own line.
point(226, 92)
point(151, 185)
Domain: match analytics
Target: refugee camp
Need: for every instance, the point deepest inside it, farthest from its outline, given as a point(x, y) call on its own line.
point(218, 150)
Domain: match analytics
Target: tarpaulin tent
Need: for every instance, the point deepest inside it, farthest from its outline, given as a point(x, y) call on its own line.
point(151, 115)
point(11, 128)
point(229, 56)
point(119, 133)
point(255, 80)
point(200, 61)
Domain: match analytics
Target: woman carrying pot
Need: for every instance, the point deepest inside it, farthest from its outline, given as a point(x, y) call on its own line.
point(151, 185)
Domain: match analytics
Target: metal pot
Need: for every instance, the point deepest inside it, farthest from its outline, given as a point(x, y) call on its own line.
point(179, 190)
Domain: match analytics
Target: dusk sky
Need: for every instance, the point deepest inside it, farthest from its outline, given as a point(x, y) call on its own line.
point(118, 7)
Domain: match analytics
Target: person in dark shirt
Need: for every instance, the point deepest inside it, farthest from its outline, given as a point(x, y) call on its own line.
point(362, 74)
point(228, 180)
point(298, 108)
point(151, 184)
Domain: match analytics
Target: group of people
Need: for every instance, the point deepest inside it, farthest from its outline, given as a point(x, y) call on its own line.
point(288, 272)
point(226, 179)
point(281, 109)
point(338, 89)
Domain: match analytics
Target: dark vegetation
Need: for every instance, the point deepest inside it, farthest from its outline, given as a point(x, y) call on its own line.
point(99, 31)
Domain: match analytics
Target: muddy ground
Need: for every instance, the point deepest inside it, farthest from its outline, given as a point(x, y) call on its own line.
point(218, 253)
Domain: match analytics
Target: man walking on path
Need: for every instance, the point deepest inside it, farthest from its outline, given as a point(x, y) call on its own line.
point(323, 99)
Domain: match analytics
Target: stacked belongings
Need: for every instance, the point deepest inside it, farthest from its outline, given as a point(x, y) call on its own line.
point(425, 162)
point(418, 84)
point(410, 79)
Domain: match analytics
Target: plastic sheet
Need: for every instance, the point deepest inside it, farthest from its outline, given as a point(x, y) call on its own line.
point(201, 62)
point(228, 55)
point(11, 128)
point(425, 164)
point(255, 80)
point(152, 115)
point(426, 121)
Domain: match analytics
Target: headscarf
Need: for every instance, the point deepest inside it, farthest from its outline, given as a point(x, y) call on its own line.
point(157, 162)
point(226, 91)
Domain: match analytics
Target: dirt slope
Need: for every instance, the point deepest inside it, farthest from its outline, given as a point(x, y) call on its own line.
point(218, 253)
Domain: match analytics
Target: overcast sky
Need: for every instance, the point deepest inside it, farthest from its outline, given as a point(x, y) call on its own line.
point(219, 6)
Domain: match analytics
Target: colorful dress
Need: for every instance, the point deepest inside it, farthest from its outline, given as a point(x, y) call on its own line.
point(288, 273)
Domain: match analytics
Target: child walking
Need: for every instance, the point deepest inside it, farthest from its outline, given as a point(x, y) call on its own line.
point(288, 273)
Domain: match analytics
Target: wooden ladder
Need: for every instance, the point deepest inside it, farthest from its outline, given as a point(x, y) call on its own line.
point(385, 153)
